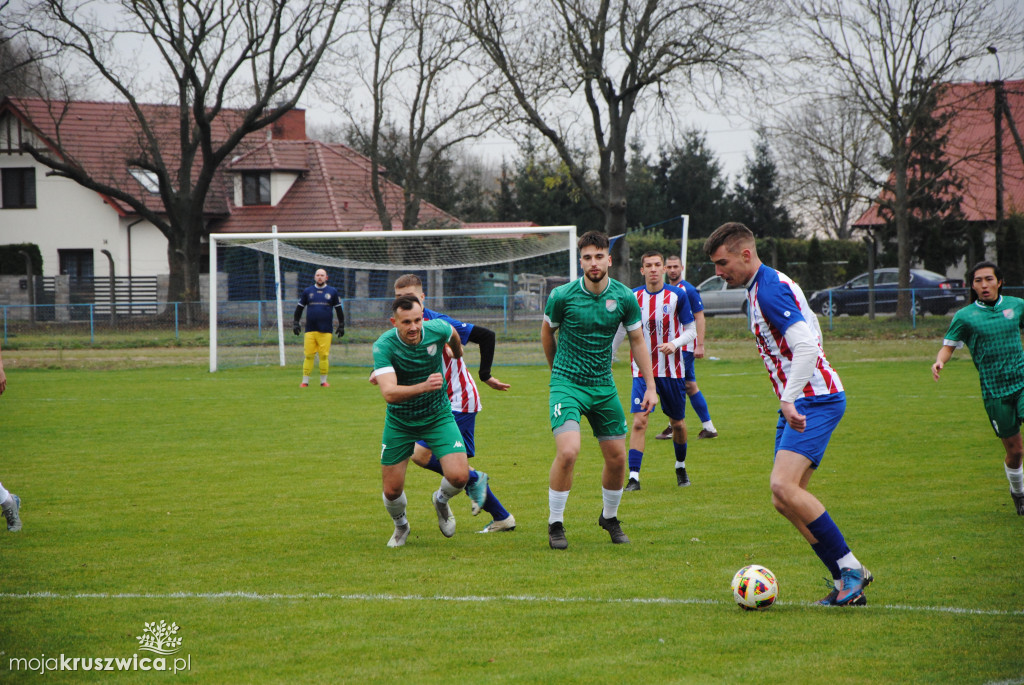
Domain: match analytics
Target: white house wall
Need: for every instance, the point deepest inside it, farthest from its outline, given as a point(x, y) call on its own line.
point(68, 216)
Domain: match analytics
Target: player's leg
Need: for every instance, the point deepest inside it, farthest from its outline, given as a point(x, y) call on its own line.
point(445, 441)
point(323, 345)
point(476, 485)
point(567, 448)
point(1007, 413)
point(308, 350)
point(697, 401)
point(395, 449)
point(672, 395)
point(614, 452)
point(479, 485)
point(609, 425)
point(638, 433)
point(11, 506)
point(797, 455)
point(564, 412)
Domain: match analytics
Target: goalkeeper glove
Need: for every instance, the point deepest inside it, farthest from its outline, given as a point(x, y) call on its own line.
point(297, 328)
point(341, 330)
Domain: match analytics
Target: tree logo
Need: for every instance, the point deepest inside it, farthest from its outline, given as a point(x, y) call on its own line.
point(159, 638)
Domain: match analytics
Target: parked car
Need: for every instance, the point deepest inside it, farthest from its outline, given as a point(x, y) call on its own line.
point(719, 298)
point(932, 292)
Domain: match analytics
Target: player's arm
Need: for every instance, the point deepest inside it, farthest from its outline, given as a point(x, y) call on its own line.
point(698, 348)
point(394, 393)
point(548, 342)
point(688, 335)
point(689, 332)
point(487, 340)
point(638, 346)
point(944, 355)
point(804, 346)
point(297, 319)
point(340, 332)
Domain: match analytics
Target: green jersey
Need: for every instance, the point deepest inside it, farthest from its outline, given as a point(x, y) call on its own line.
point(412, 364)
point(586, 325)
point(992, 333)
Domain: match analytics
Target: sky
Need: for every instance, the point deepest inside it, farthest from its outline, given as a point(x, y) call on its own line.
point(730, 138)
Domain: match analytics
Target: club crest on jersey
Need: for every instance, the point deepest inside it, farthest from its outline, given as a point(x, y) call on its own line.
point(610, 305)
point(431, 350)
point(1007, 313)
point(664, 309)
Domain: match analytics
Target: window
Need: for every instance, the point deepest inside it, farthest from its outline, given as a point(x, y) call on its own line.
point(146, 178)
point(256, 188)
point(19, 188)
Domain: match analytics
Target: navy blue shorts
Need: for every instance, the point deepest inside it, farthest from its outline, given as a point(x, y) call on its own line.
point(823, 413)
point(671, 395)
point(466, 421)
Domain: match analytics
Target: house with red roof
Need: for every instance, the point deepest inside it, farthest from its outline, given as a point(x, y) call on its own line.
point(278, 177)
point(971, 147)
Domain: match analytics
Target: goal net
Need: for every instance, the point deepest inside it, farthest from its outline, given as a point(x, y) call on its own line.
point(496, 277)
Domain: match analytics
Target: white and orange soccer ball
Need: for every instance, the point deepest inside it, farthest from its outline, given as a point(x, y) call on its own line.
point(755, 587)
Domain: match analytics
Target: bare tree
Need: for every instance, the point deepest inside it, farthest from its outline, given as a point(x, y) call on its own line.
point(423, 94)
point(829, 159)
point(578, 72)
point(891, 56)
point(230, 67)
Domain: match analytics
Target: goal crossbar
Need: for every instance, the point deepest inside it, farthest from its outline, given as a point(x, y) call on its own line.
point(281, 245)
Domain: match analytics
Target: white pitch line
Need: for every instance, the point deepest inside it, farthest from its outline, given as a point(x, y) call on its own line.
point(270, 597)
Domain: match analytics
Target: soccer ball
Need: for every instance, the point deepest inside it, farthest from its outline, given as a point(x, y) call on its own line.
point(754, 587)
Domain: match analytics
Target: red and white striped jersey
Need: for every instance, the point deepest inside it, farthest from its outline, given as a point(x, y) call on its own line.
point(662, 317)
point(462, 390)
point(776, 303)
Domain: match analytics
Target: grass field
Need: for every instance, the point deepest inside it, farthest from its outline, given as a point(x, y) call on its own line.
point(248, 512)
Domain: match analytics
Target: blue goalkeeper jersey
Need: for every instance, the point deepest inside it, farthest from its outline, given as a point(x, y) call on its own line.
point(319, 303)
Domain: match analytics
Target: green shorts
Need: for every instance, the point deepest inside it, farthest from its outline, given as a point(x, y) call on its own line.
point(600, 404)
point(1006, 413)
point(441, 434)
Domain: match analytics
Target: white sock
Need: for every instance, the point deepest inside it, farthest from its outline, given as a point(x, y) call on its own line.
point(708, 425)
point(305, 379)
point(446, 491)
point(681, 464)
point(1015, 476)
point(3, 494)
point(611, 499)
point(396, 509)
point(634, 475)
point(849, 561)
point(323, 378)
point(556, 505)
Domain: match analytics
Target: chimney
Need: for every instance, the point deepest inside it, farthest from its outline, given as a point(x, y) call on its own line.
point(291, 126)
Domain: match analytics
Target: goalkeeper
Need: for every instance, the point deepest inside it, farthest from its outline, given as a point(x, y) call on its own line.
point(320, 298)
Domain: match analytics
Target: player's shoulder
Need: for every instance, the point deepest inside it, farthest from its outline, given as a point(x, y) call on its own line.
point(438, 325)
point(678, 289)
point(619, 288)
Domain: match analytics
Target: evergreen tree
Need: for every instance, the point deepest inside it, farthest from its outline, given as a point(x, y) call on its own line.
point(691, 182)
point(506, 208)
point(646, 204)
point(758, 197)
point(815, 269)
point(546, 194)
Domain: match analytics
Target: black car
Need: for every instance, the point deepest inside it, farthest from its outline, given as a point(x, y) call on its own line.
point(932, 293)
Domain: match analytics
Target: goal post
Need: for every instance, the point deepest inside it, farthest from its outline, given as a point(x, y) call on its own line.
point(499, 277)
